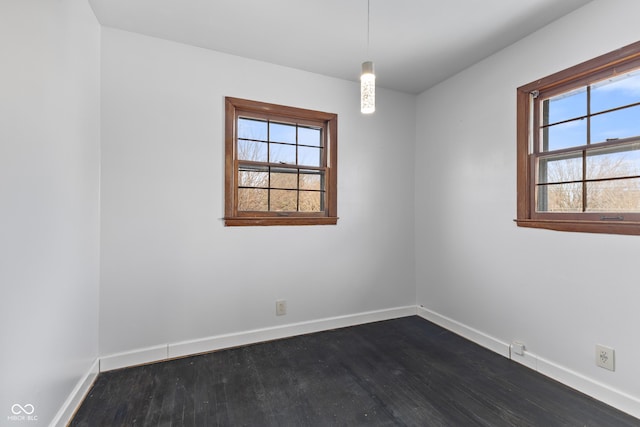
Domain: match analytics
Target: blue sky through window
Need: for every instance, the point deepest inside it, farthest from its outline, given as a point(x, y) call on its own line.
point(256, 138)
point(605, 95)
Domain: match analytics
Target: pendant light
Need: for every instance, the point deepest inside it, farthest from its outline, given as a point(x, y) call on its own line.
point(367, 79)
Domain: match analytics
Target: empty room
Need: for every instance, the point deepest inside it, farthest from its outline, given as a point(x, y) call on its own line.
point(313, 213)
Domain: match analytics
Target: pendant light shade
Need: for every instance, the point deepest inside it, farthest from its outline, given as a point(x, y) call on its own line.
point(367, 88)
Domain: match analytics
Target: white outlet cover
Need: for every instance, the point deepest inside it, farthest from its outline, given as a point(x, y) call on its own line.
point(281, 307)
point(605, 357)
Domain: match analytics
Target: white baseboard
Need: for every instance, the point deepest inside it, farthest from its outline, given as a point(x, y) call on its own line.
point(69, 407)
point(140, 356)
point(610, 396)
point(218, 342)
point(465, 331)
point(590, 387)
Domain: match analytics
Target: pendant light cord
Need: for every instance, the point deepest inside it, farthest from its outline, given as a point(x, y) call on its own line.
point(368, 24)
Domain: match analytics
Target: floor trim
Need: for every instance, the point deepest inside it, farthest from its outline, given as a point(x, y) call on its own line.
point(604, 393)
point(77, 395)
point(588, 386)
point(218, 342)
point(140, 356)
point(465, 331)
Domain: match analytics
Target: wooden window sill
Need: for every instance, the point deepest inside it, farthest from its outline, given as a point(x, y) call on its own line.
point(250, 221)
point(628, 227)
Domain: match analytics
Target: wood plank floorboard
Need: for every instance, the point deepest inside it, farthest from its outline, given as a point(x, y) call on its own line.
point(401, 372)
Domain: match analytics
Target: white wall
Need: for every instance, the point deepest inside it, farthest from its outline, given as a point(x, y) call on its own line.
point(560, 293)
point(49, 202)
point(171, 271)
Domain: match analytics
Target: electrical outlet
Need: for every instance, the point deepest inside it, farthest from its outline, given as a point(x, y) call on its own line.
point(281, 307)
point(605, 357)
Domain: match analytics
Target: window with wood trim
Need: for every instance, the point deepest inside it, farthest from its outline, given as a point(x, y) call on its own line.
point(280, 166)
point(578, 148)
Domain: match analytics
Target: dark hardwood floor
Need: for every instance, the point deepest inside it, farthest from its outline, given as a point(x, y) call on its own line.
point(402, 372)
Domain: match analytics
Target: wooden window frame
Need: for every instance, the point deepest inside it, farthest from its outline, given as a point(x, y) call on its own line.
point(236, 107)
point(606, 66)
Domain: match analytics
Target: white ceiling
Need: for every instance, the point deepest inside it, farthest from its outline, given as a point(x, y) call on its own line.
point(414, 43)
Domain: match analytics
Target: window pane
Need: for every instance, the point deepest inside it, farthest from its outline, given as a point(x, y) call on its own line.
point(565, 106)
point(622, 195)
point(311, 201)
point(280, 153)
point(309, 136)
point(284, 200)
point(614, 162)
point(560, 169)
point(616, 124)
point(311, 180)
point(570, 134)
point(615, 92)
point(283, 178)
point(559, 198)
point(252, 178)
point(251, 199)
point(252, 150)
point(252, 129)
point(309, 156)
point(282, 133)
